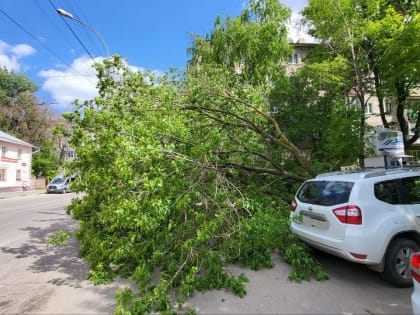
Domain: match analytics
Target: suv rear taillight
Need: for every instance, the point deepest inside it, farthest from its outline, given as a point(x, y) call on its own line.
point(349, 214)
point(415, 266)
point(293, 205)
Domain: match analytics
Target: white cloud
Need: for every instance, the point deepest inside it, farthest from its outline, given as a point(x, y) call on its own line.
point(10, 56)
point(77, 81)
point(294, 5)
point(297, 31)
point(23, 50)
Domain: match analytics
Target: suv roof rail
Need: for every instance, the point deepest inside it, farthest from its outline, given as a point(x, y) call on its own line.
point(368, 172)
point(330, 174)
point(373, 174)
point(362, 171)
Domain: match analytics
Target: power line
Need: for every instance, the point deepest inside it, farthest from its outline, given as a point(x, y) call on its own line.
point(76, 11)
point(42, 44)
point(31, 35)
point(47, 17)
point(74, 34)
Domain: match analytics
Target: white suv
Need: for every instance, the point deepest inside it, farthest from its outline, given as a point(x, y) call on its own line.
point(370, 217)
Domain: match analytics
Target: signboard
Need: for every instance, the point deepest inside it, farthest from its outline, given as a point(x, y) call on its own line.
point(387, 142)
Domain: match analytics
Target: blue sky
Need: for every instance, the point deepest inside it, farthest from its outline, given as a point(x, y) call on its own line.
point(152, 35)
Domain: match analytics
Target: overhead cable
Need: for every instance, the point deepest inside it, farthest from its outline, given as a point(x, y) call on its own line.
point(41, 43)
point(31, 35)
point(74, 34)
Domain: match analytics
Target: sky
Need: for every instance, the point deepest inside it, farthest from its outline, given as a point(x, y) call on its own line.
point(57, 53)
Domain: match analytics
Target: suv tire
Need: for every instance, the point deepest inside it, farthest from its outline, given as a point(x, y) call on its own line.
point(397, 262)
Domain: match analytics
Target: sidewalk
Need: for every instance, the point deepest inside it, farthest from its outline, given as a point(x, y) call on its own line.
point(22, 193)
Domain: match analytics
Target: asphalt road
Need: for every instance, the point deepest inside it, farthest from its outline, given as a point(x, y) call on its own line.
point(37, 279)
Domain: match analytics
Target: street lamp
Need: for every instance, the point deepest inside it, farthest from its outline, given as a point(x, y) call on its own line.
point(66, 14)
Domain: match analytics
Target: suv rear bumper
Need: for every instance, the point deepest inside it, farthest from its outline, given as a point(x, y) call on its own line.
point(340, 247)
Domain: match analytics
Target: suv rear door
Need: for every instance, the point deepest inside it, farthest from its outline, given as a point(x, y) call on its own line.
point(403, 194)
point(410, 187)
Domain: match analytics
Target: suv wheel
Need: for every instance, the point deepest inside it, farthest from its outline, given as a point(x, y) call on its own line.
point(397, 262)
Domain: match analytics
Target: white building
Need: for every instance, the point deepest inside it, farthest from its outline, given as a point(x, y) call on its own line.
point(15, 163)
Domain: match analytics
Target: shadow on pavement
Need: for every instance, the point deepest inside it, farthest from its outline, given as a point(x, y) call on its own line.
point(67, 268)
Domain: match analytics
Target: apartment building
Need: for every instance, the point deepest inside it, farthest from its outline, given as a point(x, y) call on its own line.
point(15, 163)
point(296, 59)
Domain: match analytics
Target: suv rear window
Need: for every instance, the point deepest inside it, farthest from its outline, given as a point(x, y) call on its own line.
point(325, 193)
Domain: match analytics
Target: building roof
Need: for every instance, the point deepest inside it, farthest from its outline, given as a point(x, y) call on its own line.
point(5, 137)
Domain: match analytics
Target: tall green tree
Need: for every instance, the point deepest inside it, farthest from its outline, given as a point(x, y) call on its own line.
point(368, 36)
point(314, 115)
point(339, 25)
point(394, 35)
point(236, 67)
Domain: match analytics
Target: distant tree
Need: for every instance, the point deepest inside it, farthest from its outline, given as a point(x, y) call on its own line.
point(22, 116)
point(45, 160)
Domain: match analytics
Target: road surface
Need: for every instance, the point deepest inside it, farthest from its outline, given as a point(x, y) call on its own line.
point(38, 279)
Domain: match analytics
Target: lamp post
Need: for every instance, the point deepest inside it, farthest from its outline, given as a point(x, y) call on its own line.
point(66, 14)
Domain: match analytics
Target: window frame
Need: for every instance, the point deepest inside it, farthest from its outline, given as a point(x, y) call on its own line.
point(3, 174)
point(323, 192)
point(293, 59)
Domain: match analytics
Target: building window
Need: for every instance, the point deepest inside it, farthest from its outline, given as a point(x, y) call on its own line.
point(369, 108)
point(388, 107)
point(3, 150)
point(70, 155)
point(273, 110)
point(2, 174)
point(293, 59)
point(19, 154)
point(18, 175)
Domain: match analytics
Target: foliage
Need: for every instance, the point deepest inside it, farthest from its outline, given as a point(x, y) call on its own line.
point(19, 111)
point(339, 25)
point(184, 174)
point(60, 238)
point(250, 45)
point(230, 89)
point(158, 209)
point(44, 162)
point(378, 41)
point(312, 111)
point(396, 34)
point(22, 116)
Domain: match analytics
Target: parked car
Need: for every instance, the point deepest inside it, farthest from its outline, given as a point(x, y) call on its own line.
point(60, 184)
point(370, 217)
point(415, 271)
